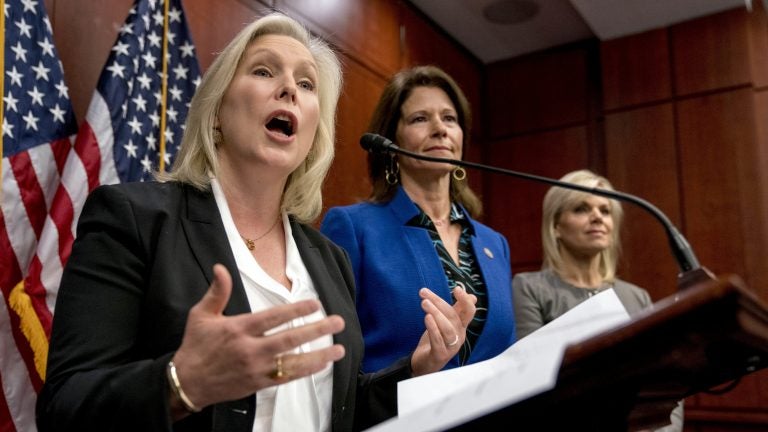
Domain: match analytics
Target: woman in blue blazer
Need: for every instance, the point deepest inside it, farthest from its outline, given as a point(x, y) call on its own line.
point(418, 228)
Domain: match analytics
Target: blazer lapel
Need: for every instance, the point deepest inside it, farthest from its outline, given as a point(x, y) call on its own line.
point(208, 241)
point(422, 251)
point(335, 300)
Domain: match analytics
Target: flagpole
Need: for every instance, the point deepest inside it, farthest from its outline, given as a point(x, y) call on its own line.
point(164, 86)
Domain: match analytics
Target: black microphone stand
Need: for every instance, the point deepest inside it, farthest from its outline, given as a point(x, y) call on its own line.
point(691, 272)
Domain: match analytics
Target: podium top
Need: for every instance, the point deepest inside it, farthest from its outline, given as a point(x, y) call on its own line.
point(711, 333)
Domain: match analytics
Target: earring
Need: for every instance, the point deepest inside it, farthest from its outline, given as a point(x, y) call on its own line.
point(459, 174)
point(390, 173)
point(218, 138)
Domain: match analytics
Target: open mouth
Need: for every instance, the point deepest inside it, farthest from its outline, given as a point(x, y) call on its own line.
point(282, 124)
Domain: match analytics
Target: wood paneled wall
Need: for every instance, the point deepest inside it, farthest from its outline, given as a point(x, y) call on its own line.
point(375, 38)
point(679, 118)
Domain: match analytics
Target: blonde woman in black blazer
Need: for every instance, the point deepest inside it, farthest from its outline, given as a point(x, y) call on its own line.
point(205, 301)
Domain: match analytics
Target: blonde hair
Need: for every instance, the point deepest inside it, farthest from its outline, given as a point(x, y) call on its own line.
point(557, 200)
point(197, 161)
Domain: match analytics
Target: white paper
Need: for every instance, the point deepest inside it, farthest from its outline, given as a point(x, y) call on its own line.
point(449, 398)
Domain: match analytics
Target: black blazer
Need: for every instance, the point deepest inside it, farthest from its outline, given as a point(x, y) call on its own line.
point(142, 258)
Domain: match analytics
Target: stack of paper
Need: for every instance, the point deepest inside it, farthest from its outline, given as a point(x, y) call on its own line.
point(450, 398)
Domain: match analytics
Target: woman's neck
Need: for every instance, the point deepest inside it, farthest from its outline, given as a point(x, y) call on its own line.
point(432, 196)
point(253, 209)
point(583, 272)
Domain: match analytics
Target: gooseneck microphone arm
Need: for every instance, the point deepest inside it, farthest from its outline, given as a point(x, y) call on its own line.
point(682, 251)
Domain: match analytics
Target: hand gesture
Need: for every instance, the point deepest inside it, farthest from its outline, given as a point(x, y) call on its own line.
point(446, 329)
point(225, 358)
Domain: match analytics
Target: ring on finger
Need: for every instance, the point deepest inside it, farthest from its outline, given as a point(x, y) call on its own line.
point(279, 372)
point(454, 342)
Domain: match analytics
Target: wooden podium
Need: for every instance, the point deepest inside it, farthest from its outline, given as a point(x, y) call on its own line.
point(703, 338)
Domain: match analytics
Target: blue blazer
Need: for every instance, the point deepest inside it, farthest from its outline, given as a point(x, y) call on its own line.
point(392, 261)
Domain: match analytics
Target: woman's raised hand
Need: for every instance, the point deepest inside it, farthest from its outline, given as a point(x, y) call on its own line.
point(446, 329)
point(225, 358)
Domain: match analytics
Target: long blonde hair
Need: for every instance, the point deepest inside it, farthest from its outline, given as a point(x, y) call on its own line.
point(197, 159)
point(558, 199)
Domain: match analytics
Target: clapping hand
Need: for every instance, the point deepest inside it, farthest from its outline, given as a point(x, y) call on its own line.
point(446, 329)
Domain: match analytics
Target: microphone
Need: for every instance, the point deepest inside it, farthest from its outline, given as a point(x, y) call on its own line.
point(691, 272)
point(376, 143)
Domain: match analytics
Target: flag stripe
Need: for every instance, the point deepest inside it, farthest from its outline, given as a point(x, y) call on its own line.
point(48, 161)
point(60, 237)
point(30, 192)
point(6, 424)
point(19, 392)
point(46, 174)
point(96, 139)
point(21, 236)
point(10, 272)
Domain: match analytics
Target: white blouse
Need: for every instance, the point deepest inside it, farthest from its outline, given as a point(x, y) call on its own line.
point(301, 404)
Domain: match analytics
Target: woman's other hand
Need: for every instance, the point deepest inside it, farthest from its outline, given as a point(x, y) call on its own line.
point(446, 329)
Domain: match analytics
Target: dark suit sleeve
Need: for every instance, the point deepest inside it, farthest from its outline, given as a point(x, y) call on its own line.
point(377, 393)
point(95, 379)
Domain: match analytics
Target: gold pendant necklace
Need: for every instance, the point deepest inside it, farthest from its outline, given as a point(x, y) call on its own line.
point(251, 243)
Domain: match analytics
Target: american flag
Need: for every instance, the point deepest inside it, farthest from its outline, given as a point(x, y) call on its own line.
point(124, 118)
point(45, 177)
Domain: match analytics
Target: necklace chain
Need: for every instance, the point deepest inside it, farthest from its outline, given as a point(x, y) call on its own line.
point(251, 243)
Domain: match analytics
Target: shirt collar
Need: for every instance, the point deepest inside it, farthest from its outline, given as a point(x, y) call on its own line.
point(457, 215)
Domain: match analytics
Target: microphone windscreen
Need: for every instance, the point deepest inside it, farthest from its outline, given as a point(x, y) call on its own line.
point(374, 143)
